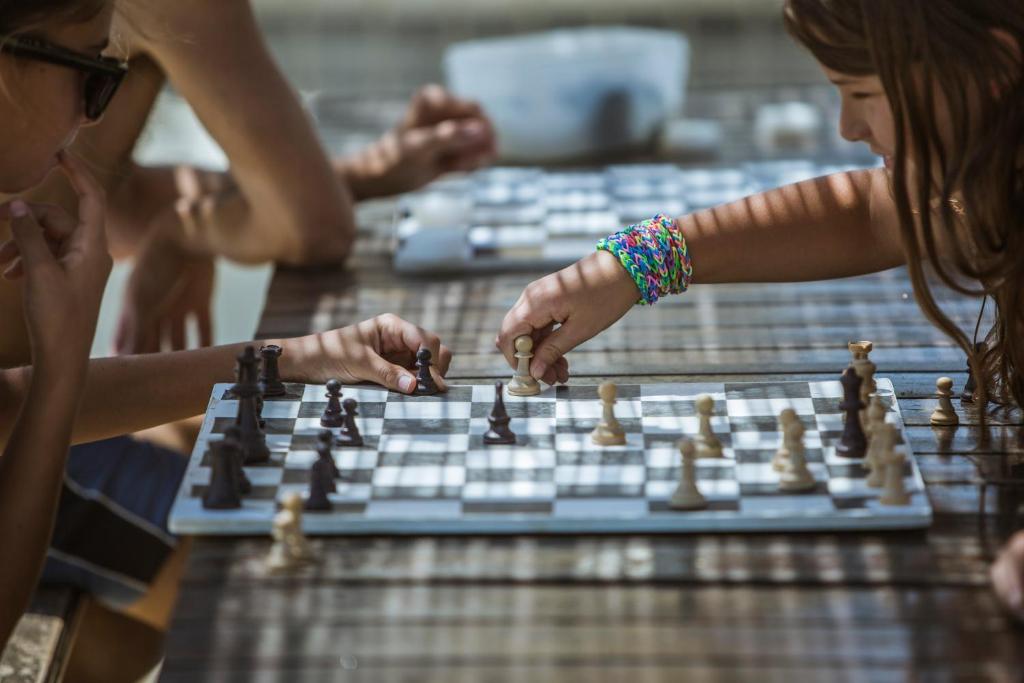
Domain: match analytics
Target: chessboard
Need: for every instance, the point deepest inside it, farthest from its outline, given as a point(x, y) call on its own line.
point(535, 218)
point(424, 469)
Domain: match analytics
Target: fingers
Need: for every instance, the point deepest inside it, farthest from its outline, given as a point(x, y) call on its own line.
point(204, 321)
point(29, 239)
point(56, 225)
point(401, 335)
point(91, 201)
point(432, 104)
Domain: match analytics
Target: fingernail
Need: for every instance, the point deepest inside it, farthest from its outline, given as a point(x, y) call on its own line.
point(19, 209)
point(538, 369)
point(406, 383)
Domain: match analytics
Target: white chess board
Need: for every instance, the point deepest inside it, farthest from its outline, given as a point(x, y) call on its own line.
point(425, 470)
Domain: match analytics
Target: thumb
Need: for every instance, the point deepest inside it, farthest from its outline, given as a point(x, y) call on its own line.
point(392, 376)
point(29, 237)
point(554, 346)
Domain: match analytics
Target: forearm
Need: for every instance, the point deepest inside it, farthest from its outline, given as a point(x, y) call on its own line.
point(31, 471)
point(825, 228)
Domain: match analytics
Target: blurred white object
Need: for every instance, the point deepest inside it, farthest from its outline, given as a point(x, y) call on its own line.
point(691, 136)
point(440, 209)
point(574, 92)
point(788, 127)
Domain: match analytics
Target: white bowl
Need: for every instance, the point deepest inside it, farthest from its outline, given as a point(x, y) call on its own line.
point(573, 93)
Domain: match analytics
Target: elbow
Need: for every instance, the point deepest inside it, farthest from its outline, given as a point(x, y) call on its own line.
point(319, 236)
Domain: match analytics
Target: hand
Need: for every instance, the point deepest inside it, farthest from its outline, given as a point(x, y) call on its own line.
point(64, 264)
point(1008, 576)
point(167, 285)
point(439, 134)
point(381, 350)
point(582, 300)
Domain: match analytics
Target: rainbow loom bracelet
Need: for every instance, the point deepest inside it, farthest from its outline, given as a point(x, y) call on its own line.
point(655, 255)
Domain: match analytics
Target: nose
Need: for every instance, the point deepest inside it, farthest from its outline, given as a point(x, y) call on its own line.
point(851, 125)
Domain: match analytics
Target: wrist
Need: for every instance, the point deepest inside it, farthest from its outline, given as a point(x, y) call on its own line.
point(654, 254)
point(355, 173)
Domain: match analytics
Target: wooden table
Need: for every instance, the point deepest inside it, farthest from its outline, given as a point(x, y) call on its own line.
point(788, 607)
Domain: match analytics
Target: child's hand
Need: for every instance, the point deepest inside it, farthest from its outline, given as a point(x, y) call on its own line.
point(583, 300)
point(64, 263)
point(1008, 576)
point(439, 133)
point(381, 350)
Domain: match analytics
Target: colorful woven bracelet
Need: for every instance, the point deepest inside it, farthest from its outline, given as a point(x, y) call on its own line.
point(655, 255)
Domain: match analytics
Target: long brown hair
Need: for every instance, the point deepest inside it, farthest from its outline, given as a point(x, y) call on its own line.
point(969, 189)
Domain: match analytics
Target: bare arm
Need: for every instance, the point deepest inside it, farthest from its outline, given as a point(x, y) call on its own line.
point(31, 471)
point(284, 202)
point(837, 226)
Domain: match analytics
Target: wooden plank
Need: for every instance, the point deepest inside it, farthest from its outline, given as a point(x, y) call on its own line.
point(948, 554)
point(38, 650)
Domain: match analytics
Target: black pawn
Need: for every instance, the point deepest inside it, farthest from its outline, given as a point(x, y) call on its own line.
point(230, 443)
point(972, 385)
point(323, 448)
point(499, 433)
point(222, 493)
point(853, 443)
point(350, 435)
point(320, 483)
point(425, 385)
point(332, 416)
point(270, 378)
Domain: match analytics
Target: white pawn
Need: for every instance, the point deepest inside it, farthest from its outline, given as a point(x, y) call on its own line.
point(877, 441)
point(781, 458)
point(944, 415)
point(608, 431)
point(290, 549)
point(523, 383)
point(708, 445)
point(796, 477)
point(687, 496)
point(894, 493)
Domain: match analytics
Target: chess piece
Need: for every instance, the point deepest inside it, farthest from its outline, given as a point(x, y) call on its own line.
point(865, 369)
point(708, 445)
point(499, 432)
point(250, 436)
point(687, 496)
point(781, 457)
point(321, 481)
point(349, 435)
point(222, 492)
point(853, 443)
point(425, 384)
point(523, 384)
point(895, 492)
point(332, 416)
point(971, 385)
point(290, 549)
point(944, 415)
point(883, 440)
point(608, 431)
point(270, 378)
point(796, 477)
point(324, 441)
point(234, 450)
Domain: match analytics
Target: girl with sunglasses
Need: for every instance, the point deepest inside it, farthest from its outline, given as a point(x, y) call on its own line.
point(284, 199)
point(103, 506)
point(932, 86)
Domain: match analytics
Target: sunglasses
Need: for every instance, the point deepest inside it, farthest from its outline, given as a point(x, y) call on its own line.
point(103, 75)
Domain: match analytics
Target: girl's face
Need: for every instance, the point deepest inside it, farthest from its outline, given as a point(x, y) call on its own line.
point(41, 105)
point(865, 115)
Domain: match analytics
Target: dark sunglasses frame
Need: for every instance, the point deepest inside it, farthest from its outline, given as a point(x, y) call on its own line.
point(103, 75)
